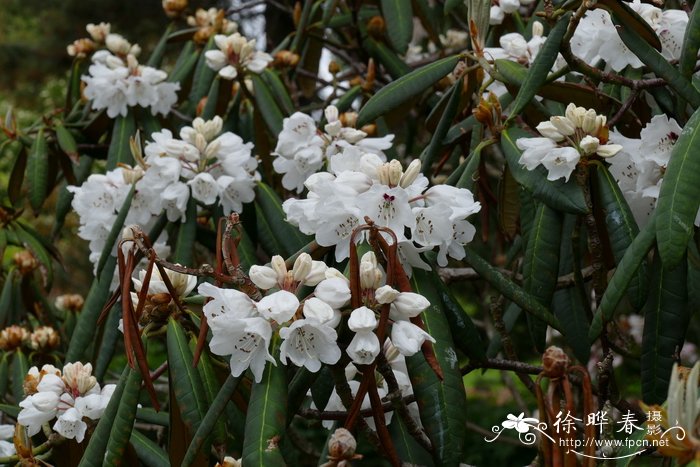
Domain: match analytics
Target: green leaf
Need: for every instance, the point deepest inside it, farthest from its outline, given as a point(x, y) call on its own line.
point(8, 296)
point(658, 64)
point(267, 105)
point(345, 101)
point(509, 289)
point(458, 130)
point(212, 417)
point(276, 235)
point(66, 141)
point(679, 198)
point(211, 384)
point(398, 15)
point(618, 284)
point(279, 91)
point(19, 368)
point(14, 184)
point(184, 64)
point(432, 150)
point(95, 450)
point(184, 378)
point(108, 344)
point(409, 451)
point(442, 404)
point(186, 235)
point(65, 197)
point(691, 44)
point(4, 372)
point(86, 327)
point(391, 62)
point(666, 317)
point(622, 229)
point(116, 230)
point(560, 195)
point(540, 68)
point(465, 334)
point(123, 422)
point(404, 88)
point(203, 76)
point(568, 303)
point(119, 149)
point(38, 171)
point(451, 5)
point(265, 422)
point(147, 451)
point(541, 266)
point(157, 55)
point(298, 388)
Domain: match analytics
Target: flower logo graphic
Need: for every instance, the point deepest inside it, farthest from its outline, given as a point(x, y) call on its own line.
point(519, 423)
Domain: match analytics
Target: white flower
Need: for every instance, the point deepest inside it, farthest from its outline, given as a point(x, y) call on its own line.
point(408, 305)
point(561, 162)
point(534, 150)
point(236, 52)
point(408, 338)
point(204, 188)
point(226, 302)
point(321, 312)
point(309, 343)
point(38, 409)
point(362, 320)
point(263, 276)
point(71, 425)
point(386, 294)
point(245, 339)
point(279, 306)
point(334, 291)
point(363, 348)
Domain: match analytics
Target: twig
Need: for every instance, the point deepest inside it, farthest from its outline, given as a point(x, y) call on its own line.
point(500, 364)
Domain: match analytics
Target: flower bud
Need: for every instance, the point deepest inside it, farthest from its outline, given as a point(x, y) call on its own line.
point(13, 337)
point(554, 362)
point(117, 44)
point(334, 291)
point(367, 275)
point(386, 294)
point(316, 274)
point(589, 144)
point(173, 8)
point(263, 276)
point(342, 446)
point(537, 29)
point(411, 173)
point(79, 377)
point(362, 319)
point(548, 130)
point(331, 113)
point(44, 338)
point(25, 262)
point(98, 32)
point(589, 124)
point(302, 267)
point(395, 172)
point(409, 305)
point(317, 310)
point(279, 267)
point(69, 302)
point(608, 150)
point(230, 462)
point(563, 125)
point(408, 338)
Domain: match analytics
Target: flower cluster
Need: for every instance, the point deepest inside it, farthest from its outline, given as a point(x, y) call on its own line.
point(243, 328)
point(205, 162)
point(362, 185)
point(596, 37)
point(116, 80)
point(566, 139)
point(640, 166)
point(70, 396)
point(42, 339)
point(236, 55)
point(99, 199)
point(302, 148)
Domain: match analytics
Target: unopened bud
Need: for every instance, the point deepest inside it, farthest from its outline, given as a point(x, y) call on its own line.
point(263, 277)
point(173, 8)
point(386, 294)
point(376, 27)
point(333, 67)
point(25, 261)
point(279, 267)
point(349, 119)
point(554, 362)
point(98, 32)
point(230, 462)
point(589, 123)
point(117, 44)
point(537, 29)
point(342, 446)
point(411, 174)
point(563, 125)
point(331, 113)
point(302, 267)
point(589, 144)
point(395, 172)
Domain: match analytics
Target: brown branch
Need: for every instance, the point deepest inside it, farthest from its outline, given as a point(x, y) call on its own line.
point(500, 364)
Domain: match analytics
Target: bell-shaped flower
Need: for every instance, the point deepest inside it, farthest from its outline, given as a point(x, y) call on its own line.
point(408, 338)
point(309, 343)
point(204, 188)
point(279, 306)
point(363, 348)
point(230, 303)
point(321, 312)
point(246, 340)
point(408, 305)
point(386, 294)
point(334, 291)
point(71, 425)
point(37, 409)
point(561, 162)
point(263, 276)
point(362, 319)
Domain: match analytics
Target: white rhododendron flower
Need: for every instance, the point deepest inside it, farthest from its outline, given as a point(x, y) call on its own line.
point(391, 197)
point(236, 53)
point(566, 139)
point(70, 396)
point(596, 37)
point(302, 149)
point(117, 81)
